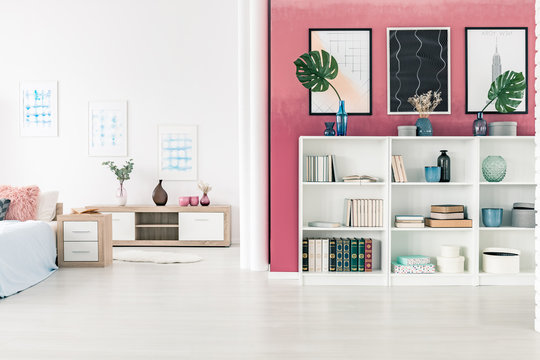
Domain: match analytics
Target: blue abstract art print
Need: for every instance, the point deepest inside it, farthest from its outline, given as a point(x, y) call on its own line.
point(38, 108)
point(177, 152)
point(107, 128)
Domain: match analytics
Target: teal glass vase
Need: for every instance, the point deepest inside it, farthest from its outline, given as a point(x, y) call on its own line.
point(494, 168)
point(341, 119)
point(423, 127)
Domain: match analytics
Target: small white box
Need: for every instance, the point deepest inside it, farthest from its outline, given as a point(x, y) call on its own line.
point(451, 265)
point(449, 251)
point(500, 261)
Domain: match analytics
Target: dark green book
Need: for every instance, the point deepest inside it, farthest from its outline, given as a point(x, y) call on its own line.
point(305, 261)
point(361, 252)
point(339, 255)
point(354, 254)
point(332, 255)
point(346, 255)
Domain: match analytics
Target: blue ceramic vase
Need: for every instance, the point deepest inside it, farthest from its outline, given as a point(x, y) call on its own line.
point(423, 127)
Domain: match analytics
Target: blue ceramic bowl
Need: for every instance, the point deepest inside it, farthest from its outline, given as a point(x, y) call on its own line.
point(433, 173)
point(492, 217)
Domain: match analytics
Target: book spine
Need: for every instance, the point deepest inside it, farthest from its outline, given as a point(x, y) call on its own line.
point(332, 252)
point(361, 247)
point(311, 255)
point(402, 166)
point(318, 255)
point(339, 255)
point(395, 169)
point(305, 261)
point(333, 168)
point(325, 250)
point(368, 255)
point(370, 212)
point(346, 255)
point(381, 213)
point(354, 254)
point(348, 210)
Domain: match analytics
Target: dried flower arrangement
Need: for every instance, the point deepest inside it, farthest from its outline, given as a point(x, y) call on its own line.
point(205, 188)
point(425, 104)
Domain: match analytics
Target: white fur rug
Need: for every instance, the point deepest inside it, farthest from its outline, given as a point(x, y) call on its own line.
point(158, 257)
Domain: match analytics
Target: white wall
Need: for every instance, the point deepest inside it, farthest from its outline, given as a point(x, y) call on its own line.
point(173, 61)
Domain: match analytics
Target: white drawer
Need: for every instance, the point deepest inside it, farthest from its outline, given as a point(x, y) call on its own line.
point(80, 251)
point(200, 226)
point(80, 231)
point(123, 225)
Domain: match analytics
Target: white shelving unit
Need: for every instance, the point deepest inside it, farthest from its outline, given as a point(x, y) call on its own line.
point(372, 156)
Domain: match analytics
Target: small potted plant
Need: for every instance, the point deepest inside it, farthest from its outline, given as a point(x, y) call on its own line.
point(507, 91)
point(425, 104)
point(122, 174)
point(205, 188)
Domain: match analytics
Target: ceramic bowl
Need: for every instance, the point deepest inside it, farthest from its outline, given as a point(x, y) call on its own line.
point(492, 217)
point(193, 200)
point(433, 173)
point(183, 200)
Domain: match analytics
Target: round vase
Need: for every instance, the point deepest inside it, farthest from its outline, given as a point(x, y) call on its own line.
point(423, 127)
point(121, 195)
point(205, 201)
point(159, 195)
point(480, 125)
point(494, 168)
point(329, 131)
point(444, 162)
point(341, 119)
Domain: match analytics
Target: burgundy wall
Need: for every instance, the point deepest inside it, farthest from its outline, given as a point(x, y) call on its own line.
point(290, 21)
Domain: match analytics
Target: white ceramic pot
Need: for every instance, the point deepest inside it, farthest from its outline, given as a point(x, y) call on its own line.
point(449, 251)
point(450, 265)
point(500, 261)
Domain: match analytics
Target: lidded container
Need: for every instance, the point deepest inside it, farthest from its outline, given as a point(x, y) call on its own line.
point(523, 215)
point(450, 265)
point(503, 128)
point(406, 130)
point(500, 261)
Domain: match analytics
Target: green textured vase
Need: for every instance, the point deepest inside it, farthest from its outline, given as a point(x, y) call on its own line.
point(494, 168)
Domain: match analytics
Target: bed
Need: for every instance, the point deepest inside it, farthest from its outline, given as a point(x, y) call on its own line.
point(27, 253)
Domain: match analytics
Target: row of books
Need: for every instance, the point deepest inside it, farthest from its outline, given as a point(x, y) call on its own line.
point(364, 212)
point(319, 168)
point(398, 169)
point(341, 255)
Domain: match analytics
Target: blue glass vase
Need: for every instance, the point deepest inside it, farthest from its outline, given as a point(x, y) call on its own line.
point(479, 125)
point(494, 168)
point(329, 131)
point(341, 119)
point(423, 127)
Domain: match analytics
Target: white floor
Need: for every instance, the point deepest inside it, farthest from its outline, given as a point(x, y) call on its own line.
point(213, 310)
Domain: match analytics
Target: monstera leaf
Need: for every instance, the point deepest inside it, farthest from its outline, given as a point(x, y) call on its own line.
point(315, 68)
point(508, 89)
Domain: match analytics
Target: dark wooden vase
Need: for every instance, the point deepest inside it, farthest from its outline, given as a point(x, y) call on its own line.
point(159, 195)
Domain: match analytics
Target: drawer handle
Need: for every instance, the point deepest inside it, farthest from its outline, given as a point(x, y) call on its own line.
point(115, 219)
point(80, 231)
point(81, 251)
point(201, 219)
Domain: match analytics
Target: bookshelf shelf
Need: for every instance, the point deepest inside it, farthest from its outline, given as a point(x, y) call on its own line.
point(343, 228)
point(327, 202)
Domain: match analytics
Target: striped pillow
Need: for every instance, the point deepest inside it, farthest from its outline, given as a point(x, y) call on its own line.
point(4, 206)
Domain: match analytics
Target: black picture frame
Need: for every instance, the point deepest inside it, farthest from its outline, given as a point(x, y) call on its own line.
point(347, 102)
point(525, 73)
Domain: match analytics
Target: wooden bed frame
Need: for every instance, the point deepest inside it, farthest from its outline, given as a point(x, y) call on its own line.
point(59, 210)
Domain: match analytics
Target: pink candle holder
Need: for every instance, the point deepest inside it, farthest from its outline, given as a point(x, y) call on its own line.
point(194, 200)
point(183, 200)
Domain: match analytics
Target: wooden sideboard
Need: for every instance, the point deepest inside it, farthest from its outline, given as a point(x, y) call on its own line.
point(150, 225)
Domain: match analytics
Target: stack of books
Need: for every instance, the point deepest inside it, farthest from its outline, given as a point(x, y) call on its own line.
point(359, 179)
point(448, 216)
point(364, 212)
point(341, 255)
point(409, 221)
point(319, 168)
point(398, 169)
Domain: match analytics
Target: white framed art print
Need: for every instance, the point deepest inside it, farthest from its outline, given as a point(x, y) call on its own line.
point(38, 108)
point(177, 152)
point(107, 128)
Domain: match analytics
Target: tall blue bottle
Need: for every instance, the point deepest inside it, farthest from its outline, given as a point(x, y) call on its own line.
point(341, 119)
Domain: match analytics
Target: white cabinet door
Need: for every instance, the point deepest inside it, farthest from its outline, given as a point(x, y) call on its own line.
point(200, 226)
point(80, 231)
point(123, 225)
point(81, 251)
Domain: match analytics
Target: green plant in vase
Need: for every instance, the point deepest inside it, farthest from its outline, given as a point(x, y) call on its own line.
point(507, 91)
point(122, 174)
point(314, 69)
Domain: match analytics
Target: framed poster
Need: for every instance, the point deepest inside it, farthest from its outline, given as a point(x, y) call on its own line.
point(352, 50)
point(38, 108)
point(489, 52)
point(107, 128)
point(177, 152)
point(418, 60)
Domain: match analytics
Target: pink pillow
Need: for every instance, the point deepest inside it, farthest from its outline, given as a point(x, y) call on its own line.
point(24, 201)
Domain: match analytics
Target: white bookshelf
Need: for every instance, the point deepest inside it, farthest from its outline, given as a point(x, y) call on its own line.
point(372, 156)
